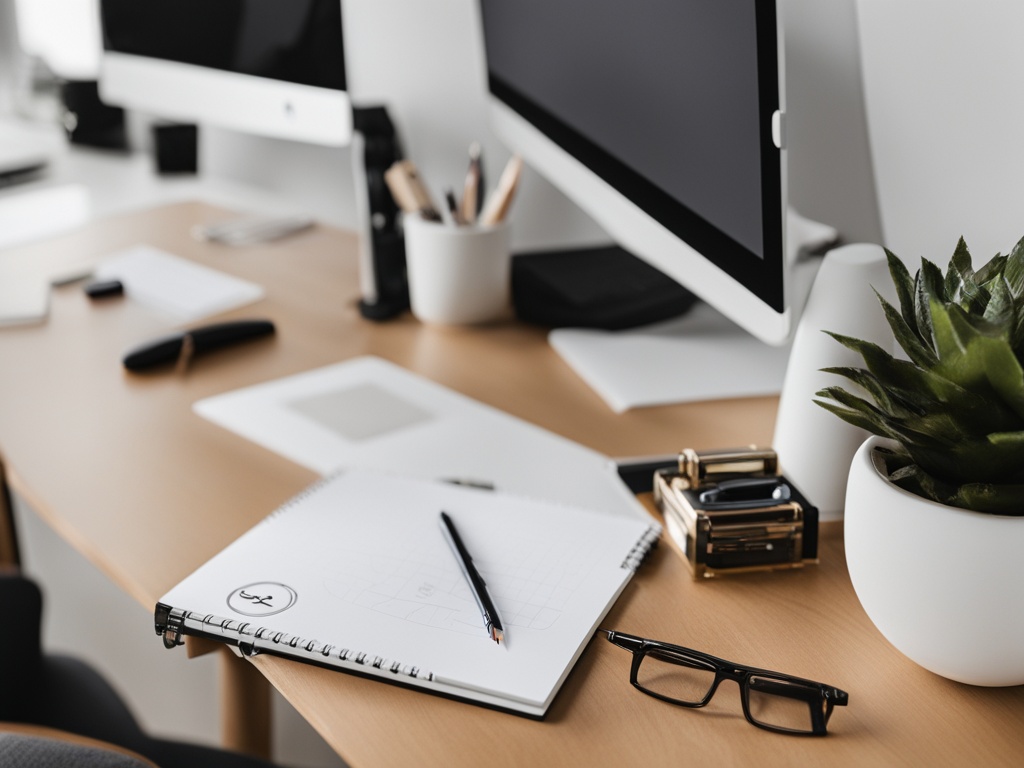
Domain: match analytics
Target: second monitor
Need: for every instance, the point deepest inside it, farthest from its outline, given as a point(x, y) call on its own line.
point(664, 121)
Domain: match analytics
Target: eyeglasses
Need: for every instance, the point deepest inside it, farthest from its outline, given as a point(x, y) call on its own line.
point(771, 700)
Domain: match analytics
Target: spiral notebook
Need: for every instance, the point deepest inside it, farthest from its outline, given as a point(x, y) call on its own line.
point(355, 574)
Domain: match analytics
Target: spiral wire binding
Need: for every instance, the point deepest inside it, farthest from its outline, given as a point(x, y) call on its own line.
point(635, 557)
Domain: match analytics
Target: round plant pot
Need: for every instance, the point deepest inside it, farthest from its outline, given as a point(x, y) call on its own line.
point(944, 585)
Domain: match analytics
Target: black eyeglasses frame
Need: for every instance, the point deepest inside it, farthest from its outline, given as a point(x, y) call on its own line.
point(824, 697)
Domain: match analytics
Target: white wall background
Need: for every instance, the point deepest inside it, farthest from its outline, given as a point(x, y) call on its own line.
point(944, 80)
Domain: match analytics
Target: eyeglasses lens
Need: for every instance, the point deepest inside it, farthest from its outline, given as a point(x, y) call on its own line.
point(675, 676)
point(781, 703)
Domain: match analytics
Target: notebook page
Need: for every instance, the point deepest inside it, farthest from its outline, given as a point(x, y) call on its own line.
point(364, 565)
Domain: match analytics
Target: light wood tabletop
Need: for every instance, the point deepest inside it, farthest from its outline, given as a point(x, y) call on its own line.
point(124, 470)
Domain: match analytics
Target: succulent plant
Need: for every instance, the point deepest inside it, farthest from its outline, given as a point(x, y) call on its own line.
point(955, 405)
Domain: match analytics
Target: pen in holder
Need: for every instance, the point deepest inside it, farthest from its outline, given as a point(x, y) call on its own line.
point(457, 275)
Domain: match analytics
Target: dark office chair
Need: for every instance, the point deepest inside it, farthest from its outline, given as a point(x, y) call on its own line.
point(9, 557)
point(63, 693)
point(24, 746)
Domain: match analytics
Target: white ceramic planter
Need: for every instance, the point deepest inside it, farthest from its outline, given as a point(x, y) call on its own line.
point(944, 585)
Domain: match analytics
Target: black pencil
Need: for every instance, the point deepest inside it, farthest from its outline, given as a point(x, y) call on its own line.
point(477, 585)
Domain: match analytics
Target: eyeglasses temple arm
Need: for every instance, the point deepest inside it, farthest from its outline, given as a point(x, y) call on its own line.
point(628, 642)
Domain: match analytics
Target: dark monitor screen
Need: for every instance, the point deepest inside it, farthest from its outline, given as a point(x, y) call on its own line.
point(297, 41)
point(671, 103)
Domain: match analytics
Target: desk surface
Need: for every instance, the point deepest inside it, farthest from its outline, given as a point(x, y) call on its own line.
point(122, 468)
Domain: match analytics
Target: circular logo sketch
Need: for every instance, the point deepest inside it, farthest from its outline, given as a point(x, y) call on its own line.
point(264, 598)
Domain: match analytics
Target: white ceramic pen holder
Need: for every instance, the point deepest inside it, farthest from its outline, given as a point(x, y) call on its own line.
point(457, 275)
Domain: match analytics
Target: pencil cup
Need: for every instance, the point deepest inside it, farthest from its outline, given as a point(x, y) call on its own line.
point(457, 275)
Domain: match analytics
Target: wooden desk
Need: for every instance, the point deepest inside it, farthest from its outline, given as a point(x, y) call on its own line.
point(123, 469)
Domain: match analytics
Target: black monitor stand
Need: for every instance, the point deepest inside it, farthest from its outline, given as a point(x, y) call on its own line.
point(601, 287)
point(381, 148)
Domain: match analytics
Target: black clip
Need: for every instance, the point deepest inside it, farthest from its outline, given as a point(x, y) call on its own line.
point(745, 492)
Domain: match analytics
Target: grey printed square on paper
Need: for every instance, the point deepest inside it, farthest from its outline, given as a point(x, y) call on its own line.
point(362, 412)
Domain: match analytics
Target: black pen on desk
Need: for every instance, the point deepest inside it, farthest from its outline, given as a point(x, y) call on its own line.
point(477, 585)
point(181, 347)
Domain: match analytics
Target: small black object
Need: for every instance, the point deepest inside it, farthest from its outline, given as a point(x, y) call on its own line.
point(168, 349)
point(604, 287)
point(638, 474)
point(104, 289)
point(744, 493)
point(90, 122)
point(381, 148)
point(177, 148)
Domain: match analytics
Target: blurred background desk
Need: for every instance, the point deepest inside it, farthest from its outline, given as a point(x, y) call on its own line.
point(121, 467)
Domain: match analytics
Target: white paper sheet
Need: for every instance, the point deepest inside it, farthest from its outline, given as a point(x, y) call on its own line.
point(178, 289)
point(368, 412)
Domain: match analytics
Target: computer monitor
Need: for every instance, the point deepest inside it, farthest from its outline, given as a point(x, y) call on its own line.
point(664, 121)
point(267, 67)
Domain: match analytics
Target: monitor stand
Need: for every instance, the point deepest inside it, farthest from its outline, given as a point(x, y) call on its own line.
point(697, 356)
point(599, 287)
point(383, 278)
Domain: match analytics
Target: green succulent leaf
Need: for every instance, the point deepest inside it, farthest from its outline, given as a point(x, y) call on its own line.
point(992, 498)
point(1017, 335)
point(942, 428)
point(972, 459)
point(854, 418)
point(893, 458)
point(931, 279)
point(1013, 271)
point(912, 478)
point(902, 374)
point(1007, 438)
point(890, 400)
point(857, 411)
point(948, 344)
point(904, 285)
point(924, 292)
point(960, 269)
point(921, 391)
point(976, 360)
point(931, 441)
point(1000, 311)
point(908, 339)
point(993, 269)
point(975, 297)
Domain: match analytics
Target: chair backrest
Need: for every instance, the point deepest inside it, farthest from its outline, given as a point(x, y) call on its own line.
point(10, 556)
point(23, 746)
